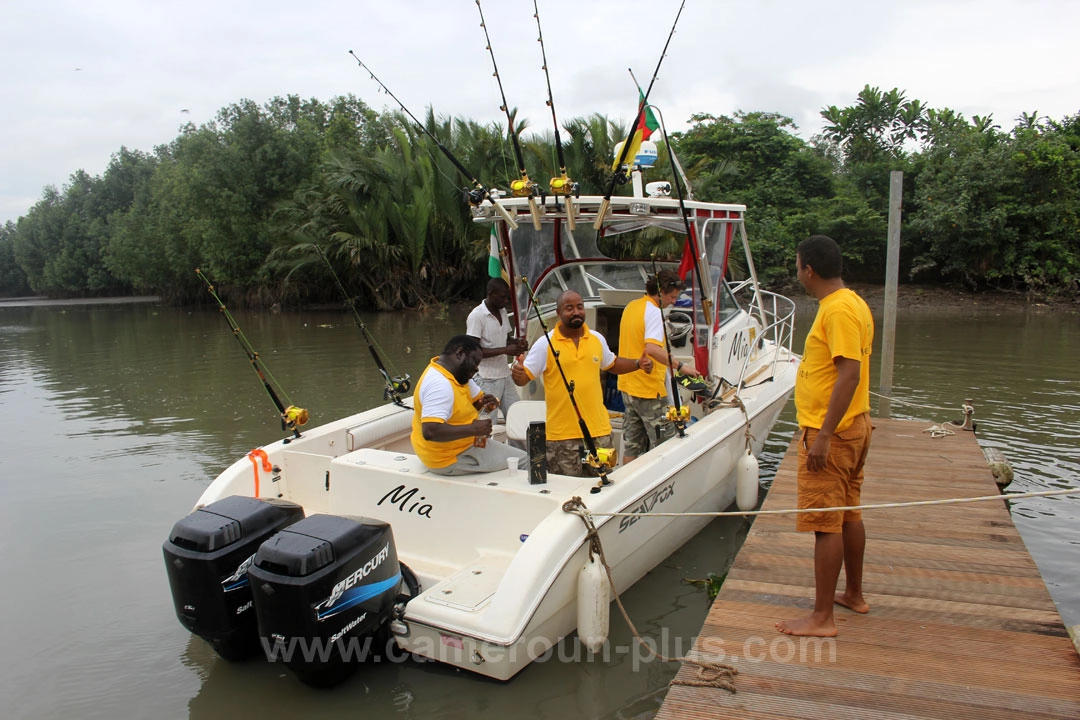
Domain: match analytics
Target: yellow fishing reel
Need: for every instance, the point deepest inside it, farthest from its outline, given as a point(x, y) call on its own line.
point(294, 416)
point(562, 186)
point(605, 457)
point(522, 188)
point(678, 414)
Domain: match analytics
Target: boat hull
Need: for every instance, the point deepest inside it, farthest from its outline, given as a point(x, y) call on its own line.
point(498, 558)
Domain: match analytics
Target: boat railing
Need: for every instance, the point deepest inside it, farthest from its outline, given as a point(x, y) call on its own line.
point(776, 313)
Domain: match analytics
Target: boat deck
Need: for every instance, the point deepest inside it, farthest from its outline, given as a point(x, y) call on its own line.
point(960, 626)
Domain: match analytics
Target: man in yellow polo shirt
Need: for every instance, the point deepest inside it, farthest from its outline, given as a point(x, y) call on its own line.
point(646, 395)
point(832, 406)
point(447, 435)
point(583, 353)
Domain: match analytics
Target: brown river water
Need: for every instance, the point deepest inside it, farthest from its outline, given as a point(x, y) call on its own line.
point(118, 415)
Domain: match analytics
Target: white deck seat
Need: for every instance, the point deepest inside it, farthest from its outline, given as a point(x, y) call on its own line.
point(520, 415)
point(378, 431)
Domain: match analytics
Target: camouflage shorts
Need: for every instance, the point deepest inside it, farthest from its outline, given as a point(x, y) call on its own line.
point(564, 456)
point(645, 424)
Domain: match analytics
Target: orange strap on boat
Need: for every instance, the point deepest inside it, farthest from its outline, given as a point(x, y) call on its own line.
point(254, 457)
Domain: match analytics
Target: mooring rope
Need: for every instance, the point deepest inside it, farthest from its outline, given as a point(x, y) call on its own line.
point(878, 506)
point(710, 674)
point(719, 674)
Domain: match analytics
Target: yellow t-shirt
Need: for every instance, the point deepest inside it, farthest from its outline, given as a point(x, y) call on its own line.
point(442, 389)
point(582, 365)
point(635, 331)
point(843, 328)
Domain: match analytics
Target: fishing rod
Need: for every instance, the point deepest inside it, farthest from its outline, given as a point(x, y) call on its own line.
point(691, 236)
point(478, 193)
point(675, 414)
point(292, 417)
point(619, 174)
point(395, 386)
point(594, 459)
point(523, 187)
point(561, 186)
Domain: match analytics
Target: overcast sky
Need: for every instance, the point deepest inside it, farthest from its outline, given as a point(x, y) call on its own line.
point(81, 79)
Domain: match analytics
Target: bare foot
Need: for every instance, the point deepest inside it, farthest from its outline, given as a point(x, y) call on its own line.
point(807, 627)
point(858, 604)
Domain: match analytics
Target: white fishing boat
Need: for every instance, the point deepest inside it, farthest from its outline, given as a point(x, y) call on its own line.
point(485, 572)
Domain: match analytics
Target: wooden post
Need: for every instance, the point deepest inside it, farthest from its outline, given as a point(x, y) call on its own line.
point(892, 270)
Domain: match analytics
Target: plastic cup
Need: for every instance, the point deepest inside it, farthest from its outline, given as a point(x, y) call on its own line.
point(512, 465)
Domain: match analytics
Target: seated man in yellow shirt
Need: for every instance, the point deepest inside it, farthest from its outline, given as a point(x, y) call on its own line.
point(583, 353)
point(447, 435)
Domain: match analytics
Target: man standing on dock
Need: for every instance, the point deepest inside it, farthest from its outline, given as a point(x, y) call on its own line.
point(832, 404)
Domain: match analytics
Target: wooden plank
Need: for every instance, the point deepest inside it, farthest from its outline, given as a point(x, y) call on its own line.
point(961, 624)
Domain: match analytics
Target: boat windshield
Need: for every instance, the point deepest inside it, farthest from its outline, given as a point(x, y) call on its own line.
point(554, 259)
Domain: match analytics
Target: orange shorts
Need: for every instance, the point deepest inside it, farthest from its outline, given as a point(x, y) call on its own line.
point(839, 484)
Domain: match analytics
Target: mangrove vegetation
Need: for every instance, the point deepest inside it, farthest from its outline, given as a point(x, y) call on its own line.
point(246, 196)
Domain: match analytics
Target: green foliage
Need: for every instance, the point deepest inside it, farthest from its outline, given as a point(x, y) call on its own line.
point(247, 195)
point(13, 282)
point(876, 126)
point(998, 210)
point(712, 584)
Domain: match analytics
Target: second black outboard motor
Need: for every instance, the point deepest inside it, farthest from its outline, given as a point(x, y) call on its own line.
point(207, 557)
point(324, 593)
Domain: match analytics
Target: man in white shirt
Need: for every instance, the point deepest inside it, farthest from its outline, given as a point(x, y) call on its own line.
point(489, 322)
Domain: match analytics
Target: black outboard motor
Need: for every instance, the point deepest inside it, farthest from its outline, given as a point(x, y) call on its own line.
point(207, 556)
point(324, 592)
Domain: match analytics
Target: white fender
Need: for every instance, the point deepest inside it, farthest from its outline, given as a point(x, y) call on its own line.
point(746, 486)
point(593, 605)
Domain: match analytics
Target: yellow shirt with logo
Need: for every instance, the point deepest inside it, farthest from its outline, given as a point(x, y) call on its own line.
point(843, 328)
point(462, 412)
point(582, 364)
point(642, 320)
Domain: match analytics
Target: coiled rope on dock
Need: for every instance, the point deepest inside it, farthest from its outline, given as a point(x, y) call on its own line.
point(709, 673)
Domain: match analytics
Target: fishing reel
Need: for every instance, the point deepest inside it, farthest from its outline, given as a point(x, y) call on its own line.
point(678, 415)
point(399, 385)
point(294, 417)
point(474, 196)
point(604, 458)
point(564, 187)
point(524, 188)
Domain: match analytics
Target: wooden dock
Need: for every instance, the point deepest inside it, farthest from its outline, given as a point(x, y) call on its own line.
point(960, 625)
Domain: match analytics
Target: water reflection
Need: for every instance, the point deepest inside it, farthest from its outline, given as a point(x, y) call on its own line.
point(119, 416)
